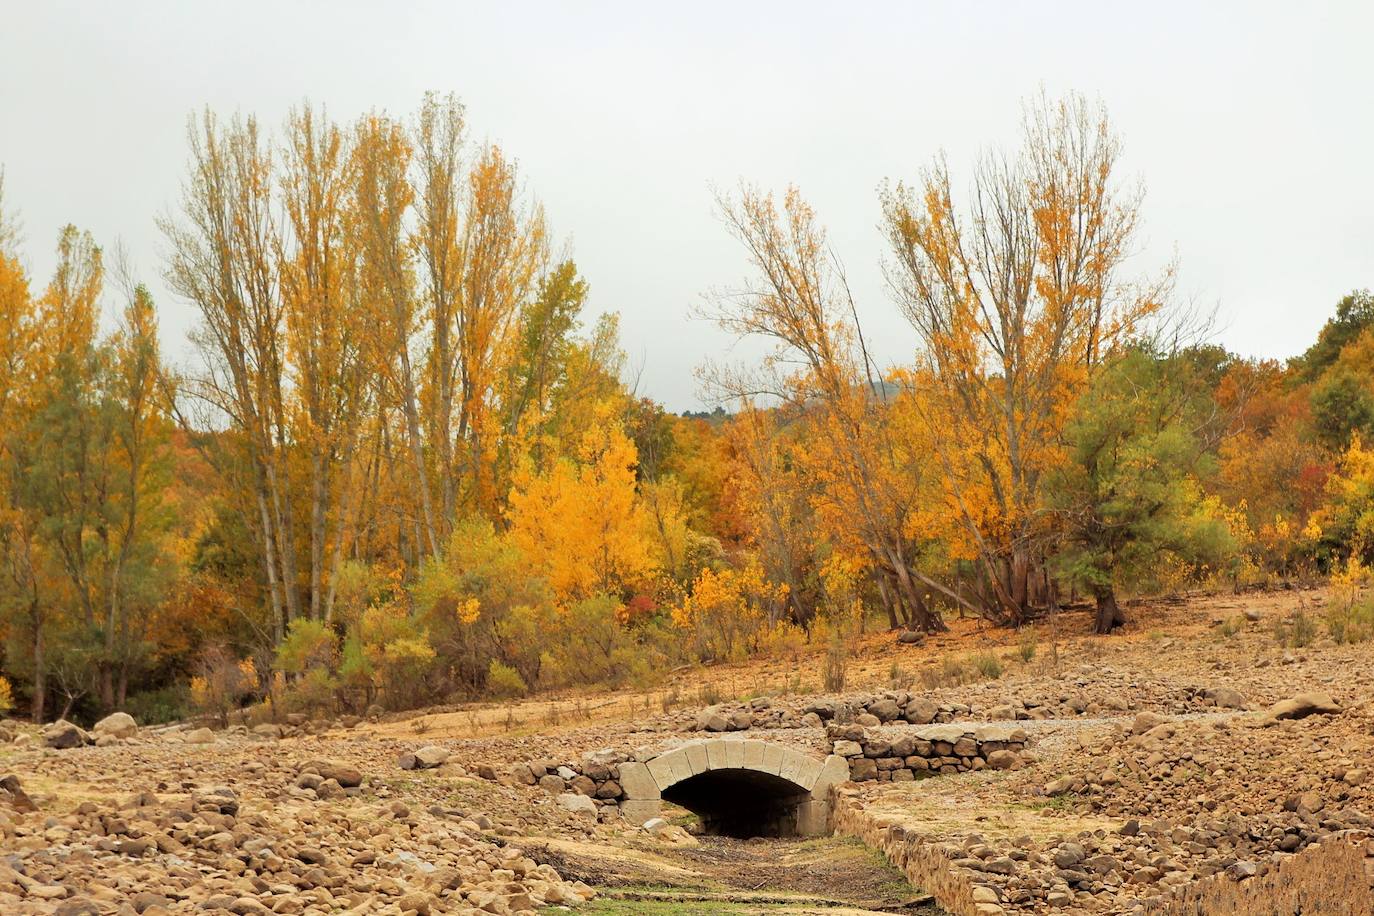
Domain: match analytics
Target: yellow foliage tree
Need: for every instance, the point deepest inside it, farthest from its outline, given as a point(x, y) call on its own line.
point(580, 519)
point(1015, 303)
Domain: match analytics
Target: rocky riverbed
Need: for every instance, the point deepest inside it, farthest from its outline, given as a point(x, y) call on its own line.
point(1134, 774)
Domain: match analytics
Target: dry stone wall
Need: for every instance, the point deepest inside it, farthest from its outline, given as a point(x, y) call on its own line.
point(1329, 876)
point(595, 777)
point(896, 754)
point(926, 864)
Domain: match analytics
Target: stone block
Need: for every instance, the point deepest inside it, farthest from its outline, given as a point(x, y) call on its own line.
point(946, 733)
point(808, 773)
point(848, 748)
point(813, 818)
point(696, 756)
point(682, 768)
point(715, 754)
point(638, 782)
point(661, 768)
point(734, 755)
point(862, 768)
point(834, 771)
point(772, 759)
point(753, 754)
point(639, 810)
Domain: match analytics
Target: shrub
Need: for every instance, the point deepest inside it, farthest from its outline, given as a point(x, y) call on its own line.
point(6, 695)
point(357, 674)
point(836, 664)
point(725, 616)
point(397, 651)
point(314, 692)
point(308, 644)
point(1296, 631)
point(505, 682)
point(953, 670)
point(222, 682)
point(588, 645)
point(155, 707)
point(708, 694)
point(1030, 641)
point(988, 665)
point(1352, 622)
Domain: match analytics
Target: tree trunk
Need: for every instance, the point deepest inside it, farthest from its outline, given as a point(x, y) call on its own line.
point(40, 676)
point(107, 690)
point(881, 580)
point(1109, 615)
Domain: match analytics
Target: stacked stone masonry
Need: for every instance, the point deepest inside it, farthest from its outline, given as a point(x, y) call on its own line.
point(904, 753)
point(1328, 877)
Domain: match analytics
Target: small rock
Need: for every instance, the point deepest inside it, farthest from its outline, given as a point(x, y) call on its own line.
point(1145, 721)
point(1225, 697)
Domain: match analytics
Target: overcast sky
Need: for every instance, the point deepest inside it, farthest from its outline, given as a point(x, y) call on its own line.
point(1251, 123)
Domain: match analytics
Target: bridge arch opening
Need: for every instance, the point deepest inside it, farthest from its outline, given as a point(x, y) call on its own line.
point(739, 788)
point(741, 803)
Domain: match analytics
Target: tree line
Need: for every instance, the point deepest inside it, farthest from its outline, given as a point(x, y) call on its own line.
point(403, 465)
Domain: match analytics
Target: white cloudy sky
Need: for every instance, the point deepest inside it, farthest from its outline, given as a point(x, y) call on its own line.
point(1251, 123)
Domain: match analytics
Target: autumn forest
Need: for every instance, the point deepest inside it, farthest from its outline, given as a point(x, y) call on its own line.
point(402, 464)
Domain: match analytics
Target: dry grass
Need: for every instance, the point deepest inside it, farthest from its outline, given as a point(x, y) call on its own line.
point(871, 663)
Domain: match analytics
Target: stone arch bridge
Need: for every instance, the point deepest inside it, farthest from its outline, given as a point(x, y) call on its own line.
point(737, 787)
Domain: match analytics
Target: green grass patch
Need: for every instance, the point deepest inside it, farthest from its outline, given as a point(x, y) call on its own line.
point(605, 906)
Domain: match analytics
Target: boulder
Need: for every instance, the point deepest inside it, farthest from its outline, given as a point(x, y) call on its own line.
point(921, 711)
point(848, 749)
point(1304, 705)
point(200, 735)
point(712, 720)
point(885, 709)
point(116, 725)
point(861, 768)
point(62, 735)
point(345, 775)
point(822, 709)
point(12, 792)
point(1004, 760)
point(1225, 697)
point(431, 755)
point(578, 804)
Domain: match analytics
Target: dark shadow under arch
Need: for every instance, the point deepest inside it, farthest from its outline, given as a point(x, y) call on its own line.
point(740, 803)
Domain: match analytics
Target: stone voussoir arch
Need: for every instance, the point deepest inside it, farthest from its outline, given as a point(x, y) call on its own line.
point(795, 786)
